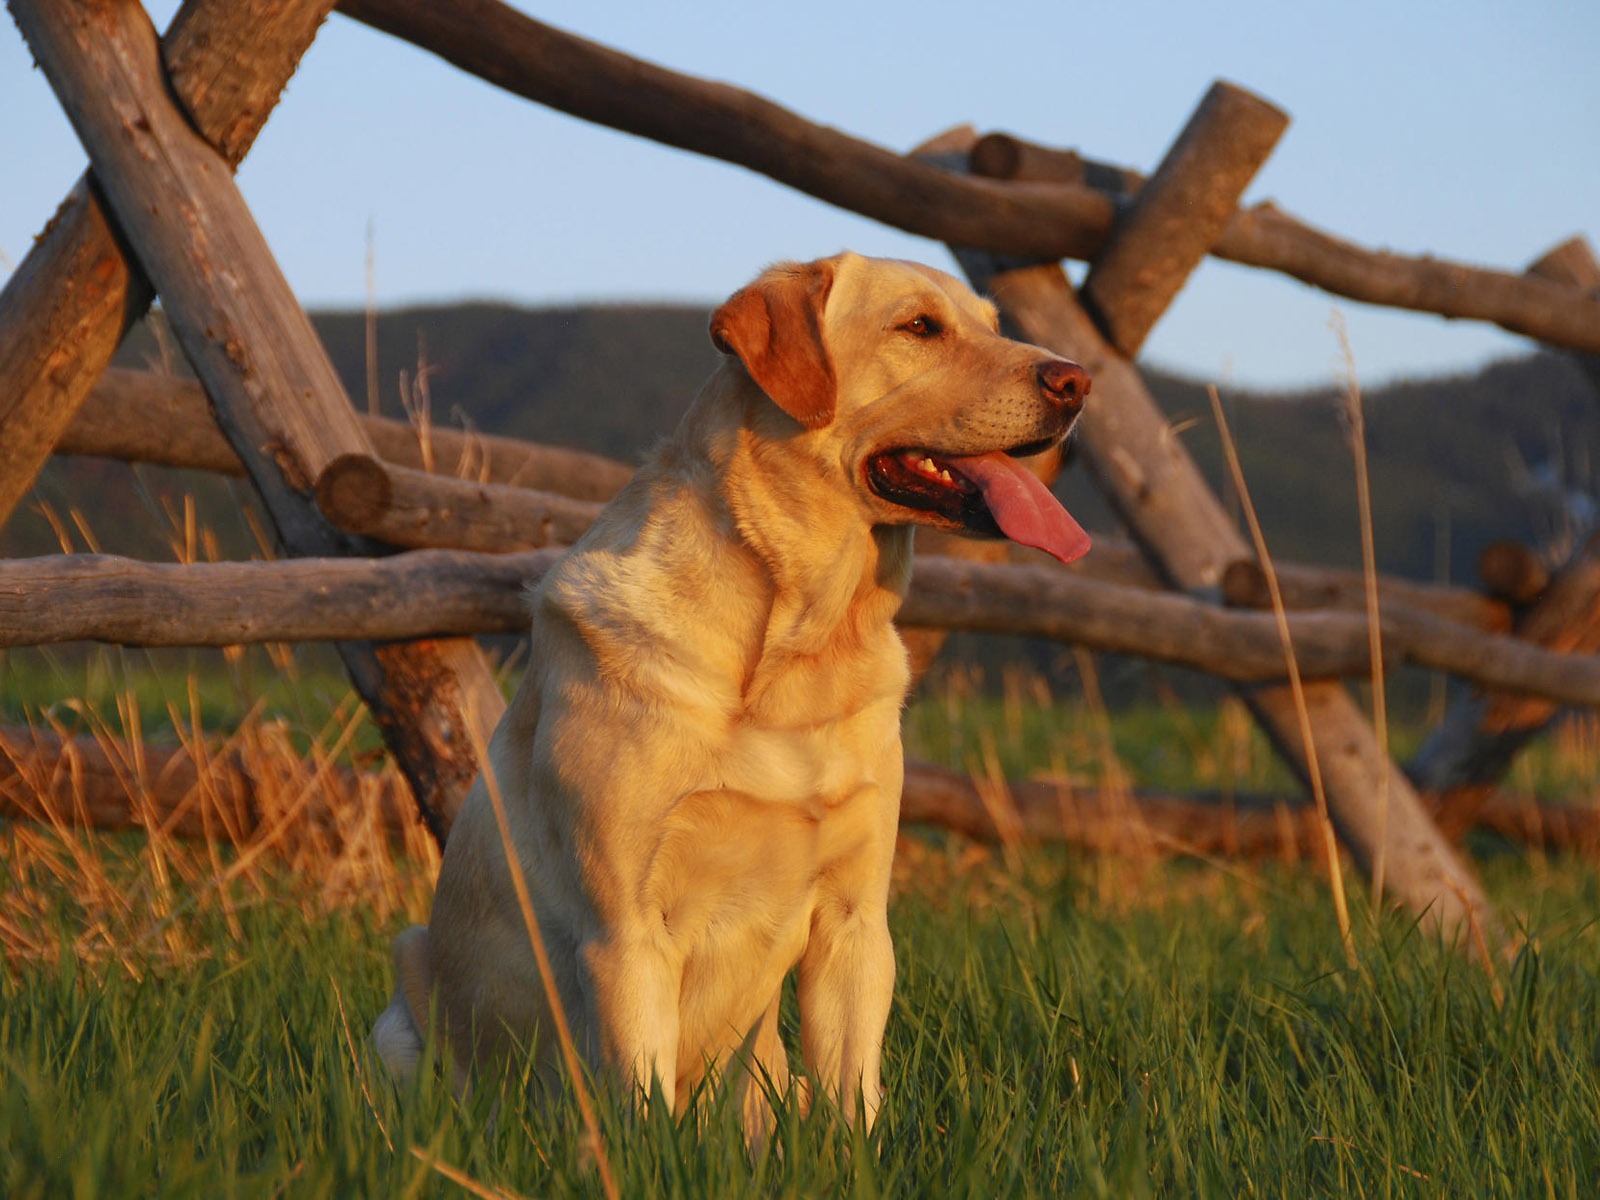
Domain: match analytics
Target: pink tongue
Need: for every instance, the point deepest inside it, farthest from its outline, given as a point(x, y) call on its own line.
point(1023, 507)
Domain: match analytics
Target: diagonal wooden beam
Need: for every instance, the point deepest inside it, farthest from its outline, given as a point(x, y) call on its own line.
point(497, 43)
point(1573, 264)
point(65, 309)
point(276, 395)
point(1465, 758)
point(1158, 490)
point(1179, 214)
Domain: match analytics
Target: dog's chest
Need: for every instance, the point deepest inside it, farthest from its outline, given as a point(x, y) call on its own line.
point(799, 819)
point(813, 766)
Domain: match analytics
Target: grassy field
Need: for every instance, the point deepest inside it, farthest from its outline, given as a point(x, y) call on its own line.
point(182, 1019)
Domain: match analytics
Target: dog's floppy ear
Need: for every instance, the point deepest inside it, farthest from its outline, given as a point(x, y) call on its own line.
point(774, 326)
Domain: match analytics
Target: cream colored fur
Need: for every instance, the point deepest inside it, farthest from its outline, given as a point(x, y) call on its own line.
point(702, 767)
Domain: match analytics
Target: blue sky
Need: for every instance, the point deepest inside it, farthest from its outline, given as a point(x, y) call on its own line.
point(1465, 129)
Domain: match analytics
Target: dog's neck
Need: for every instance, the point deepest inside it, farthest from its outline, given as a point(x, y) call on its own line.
point(829, 596)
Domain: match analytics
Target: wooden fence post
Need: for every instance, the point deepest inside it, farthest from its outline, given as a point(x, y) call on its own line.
point(276, 395)
point(1574, 264)
point(65, 309)
point(1179, 214)
point(1481, 734)
point(1465, 758)
point(1160, 493)
point(1045, 222)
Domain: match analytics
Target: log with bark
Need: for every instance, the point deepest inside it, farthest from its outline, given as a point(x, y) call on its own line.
point(434, 593)
point(1033, 220)
point(277, 397)
point(1210, 824)
point(1178, 216)
point(1160, 494)
point(236, 789)
point(65, 308)
point(229, 794)
point(142, 416)
point(1512, 573)
point(1005, 156)
point(1464, 759)
point(407, 507)
point(1244, 585)
point(1573, 264)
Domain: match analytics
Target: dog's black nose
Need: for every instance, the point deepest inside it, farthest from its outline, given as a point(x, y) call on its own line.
point(1063, 382)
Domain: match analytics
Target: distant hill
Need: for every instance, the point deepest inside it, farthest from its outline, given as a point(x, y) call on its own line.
point(1507, 452)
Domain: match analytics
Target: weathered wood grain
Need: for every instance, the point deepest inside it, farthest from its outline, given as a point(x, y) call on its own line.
point(66, 307)
point(431, 593)
point(276, 396)
point(424, 593)
point(142, 416)
point(1466, 757)
point(1171, 224)
point(1032, 220)
point(407, 507)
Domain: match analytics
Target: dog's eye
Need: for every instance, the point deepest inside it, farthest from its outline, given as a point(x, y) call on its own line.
point(923, 327)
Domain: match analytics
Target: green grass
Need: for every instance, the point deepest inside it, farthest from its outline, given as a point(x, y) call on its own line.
point(1062, 1024)
point(76, 685)
point(1198, 1034)
point(148, 692)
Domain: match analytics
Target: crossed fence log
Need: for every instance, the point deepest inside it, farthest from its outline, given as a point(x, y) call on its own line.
point(160, 214)
point(186, 793)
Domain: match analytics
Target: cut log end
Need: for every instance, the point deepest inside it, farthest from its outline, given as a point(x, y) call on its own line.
point(1002, 156)
point(1512, 573)
point(1244, 107)
point(1244, 585)
point(354, 491)
point(1573, 262)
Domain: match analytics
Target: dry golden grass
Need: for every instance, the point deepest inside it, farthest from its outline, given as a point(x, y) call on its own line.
point(310, 833)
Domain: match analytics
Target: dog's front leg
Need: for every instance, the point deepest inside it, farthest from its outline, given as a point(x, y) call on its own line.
point(845, 985)
point(633, 991)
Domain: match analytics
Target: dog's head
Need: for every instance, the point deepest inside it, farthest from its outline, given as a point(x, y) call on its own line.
point(899, 378)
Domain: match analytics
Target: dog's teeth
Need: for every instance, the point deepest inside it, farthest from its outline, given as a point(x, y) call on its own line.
point(945, 475)
point(927, 465)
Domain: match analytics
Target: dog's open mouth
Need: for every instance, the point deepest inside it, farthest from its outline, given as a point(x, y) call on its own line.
point(990, 495)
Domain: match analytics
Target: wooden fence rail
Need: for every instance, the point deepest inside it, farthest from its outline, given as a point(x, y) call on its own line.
point(277, 397)
point(438, 593)
point(137, 416)
point(338, 486)
point(46, 776)
point(142, 416)
point(1040, 221)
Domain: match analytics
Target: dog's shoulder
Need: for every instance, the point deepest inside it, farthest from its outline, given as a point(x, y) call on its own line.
point(657, 577)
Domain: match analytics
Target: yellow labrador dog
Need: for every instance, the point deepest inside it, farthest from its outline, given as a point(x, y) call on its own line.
point(701, 770)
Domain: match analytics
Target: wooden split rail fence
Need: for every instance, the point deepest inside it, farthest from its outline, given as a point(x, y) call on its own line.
point(400, 567)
